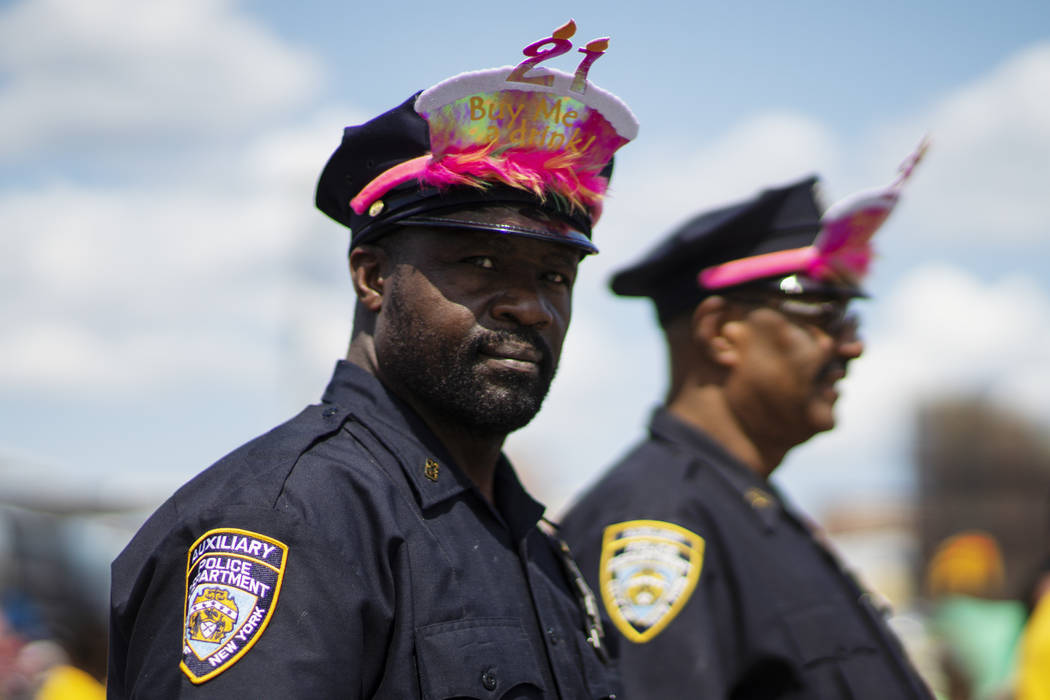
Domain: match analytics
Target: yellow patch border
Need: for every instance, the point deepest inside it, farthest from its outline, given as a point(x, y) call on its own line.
point(695, 549)
point(197, 680)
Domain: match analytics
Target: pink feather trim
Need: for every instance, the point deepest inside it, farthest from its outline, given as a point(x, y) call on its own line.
point(736, 272)
point(841, 251)
point(386, 181)
point(846, 264)
point(539, 172)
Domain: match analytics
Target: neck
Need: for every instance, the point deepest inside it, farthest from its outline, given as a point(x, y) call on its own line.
point(706, 408)
point(476, 454)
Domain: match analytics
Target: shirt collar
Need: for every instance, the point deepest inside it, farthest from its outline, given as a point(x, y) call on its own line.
point(520, 510)
point(758, 493)
point(427, 465)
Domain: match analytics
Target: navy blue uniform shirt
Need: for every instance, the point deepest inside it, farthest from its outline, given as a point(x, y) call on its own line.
point(719, 590)
point(344, 555)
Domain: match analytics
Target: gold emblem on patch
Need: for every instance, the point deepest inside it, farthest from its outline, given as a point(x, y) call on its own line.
point(647, 572)
point(212, 615)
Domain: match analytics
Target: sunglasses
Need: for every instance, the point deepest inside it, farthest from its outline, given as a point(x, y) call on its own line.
point(832, 317)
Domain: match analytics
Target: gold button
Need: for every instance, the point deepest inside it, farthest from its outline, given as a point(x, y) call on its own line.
point(430, 470)
point(377, 208)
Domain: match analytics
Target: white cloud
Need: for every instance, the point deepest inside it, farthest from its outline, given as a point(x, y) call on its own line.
point(126, 289)
point(183, 277)
point(985, 179)
point(110, 74)
point(292, 158)
point(64, 356)
point(658, 187)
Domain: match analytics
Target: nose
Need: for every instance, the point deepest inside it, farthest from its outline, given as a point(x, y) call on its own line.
point(522, 303)
point(848, 342)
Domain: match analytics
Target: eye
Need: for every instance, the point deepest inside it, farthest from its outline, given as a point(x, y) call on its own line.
point(555, 277)
point(482, 261)
point(817, 313)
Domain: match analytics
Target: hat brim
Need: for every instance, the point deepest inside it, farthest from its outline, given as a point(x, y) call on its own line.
point(522, 220)
point(431, 206)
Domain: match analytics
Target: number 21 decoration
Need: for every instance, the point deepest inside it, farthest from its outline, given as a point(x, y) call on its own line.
point(559, 45)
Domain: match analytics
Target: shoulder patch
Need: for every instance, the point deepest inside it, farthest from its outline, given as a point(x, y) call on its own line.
point(232, 581)
point(647, 572)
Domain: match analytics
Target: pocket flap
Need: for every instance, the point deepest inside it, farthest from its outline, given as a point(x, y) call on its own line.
point(479, 658)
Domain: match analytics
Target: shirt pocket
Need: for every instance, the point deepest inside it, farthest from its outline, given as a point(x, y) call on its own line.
point(486, 658)
point(838, 656)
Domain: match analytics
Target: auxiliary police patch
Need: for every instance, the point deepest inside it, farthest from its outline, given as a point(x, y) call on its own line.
point(648, 570)
point(232, 581)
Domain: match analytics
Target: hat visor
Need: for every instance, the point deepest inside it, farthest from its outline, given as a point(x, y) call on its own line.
point(510, 219)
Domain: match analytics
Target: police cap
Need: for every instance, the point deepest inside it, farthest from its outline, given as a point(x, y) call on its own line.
point(782, 240)
point(522, 150)
point(777, 219)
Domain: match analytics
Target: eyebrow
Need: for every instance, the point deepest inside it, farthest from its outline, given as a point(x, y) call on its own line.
point(470, 238)
point(559, 258)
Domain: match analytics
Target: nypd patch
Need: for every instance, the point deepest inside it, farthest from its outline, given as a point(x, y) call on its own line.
point(232, 581)
point(648, 570)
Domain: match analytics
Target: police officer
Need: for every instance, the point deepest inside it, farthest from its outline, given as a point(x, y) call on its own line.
point(379, 544)
point(718, 589)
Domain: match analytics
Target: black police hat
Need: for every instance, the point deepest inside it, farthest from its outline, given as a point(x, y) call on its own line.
point(777, 219)
point(780, 240)
point(489, 150)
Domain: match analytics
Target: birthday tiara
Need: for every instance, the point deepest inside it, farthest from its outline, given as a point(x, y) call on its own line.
point(526, 126)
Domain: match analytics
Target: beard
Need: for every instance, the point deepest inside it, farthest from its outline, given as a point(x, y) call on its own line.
point(451, 378)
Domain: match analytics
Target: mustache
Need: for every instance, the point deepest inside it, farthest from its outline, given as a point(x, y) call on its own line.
point(490, 341)
point(838, 366)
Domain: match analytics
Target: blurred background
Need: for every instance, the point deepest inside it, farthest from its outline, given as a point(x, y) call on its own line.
point(168, 291)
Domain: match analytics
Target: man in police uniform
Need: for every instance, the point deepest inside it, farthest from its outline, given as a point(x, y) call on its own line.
point(379, 545)
point(718, 589)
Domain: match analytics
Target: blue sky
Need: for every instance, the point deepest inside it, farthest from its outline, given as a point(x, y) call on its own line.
point(169, 291)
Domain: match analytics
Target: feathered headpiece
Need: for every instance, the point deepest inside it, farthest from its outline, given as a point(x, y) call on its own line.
point(842, 250)
point(522, 133)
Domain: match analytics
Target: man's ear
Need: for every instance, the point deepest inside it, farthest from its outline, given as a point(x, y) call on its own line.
point(714, 329)
point(369, 266)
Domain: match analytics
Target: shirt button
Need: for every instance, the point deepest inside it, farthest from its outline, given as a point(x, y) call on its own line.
point(329, 412)
point(552, 635)
point(488, 679)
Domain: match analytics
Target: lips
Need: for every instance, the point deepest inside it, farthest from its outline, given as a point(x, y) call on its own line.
point(828, 379)
point(519, 353)
point(834, 376)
